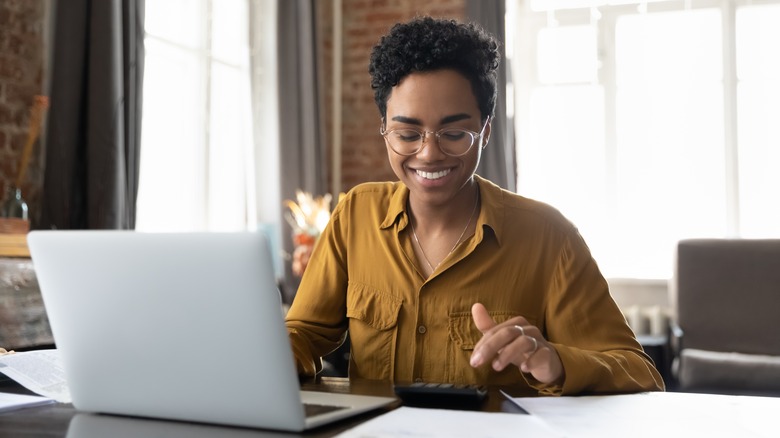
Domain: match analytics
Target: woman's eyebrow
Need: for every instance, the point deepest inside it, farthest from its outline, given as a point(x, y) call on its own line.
point(443, 121)
point(407, 120)
point(454, 118)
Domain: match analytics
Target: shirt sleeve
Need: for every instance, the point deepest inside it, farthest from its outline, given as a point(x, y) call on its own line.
point(316, 321)
point(597, 348)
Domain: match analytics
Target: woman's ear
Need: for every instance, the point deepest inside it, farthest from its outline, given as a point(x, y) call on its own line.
point(486, 135)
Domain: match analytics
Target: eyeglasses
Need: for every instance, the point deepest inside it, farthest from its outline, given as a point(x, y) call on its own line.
point(452, 141)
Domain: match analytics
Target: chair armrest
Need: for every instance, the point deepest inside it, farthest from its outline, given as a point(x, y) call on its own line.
point(675, 349)
point(675, 337)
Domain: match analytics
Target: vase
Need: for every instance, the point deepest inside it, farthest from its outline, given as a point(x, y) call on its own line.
point(14, 205)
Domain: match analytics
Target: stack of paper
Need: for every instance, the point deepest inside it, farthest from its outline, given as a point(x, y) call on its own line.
point(10, 402)
point(40, 371)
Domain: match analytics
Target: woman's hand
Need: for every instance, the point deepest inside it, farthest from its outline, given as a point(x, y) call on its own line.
point(516, 342)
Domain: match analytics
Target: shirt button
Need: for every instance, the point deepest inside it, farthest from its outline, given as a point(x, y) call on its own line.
point(421, 329)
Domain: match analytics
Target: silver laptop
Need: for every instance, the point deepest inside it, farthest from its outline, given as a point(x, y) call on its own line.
point(88, 425)
point(184, 326)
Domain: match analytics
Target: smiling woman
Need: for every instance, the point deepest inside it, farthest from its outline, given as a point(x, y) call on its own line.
point(443, 276)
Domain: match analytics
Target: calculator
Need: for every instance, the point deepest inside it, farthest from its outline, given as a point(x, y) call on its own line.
point(443, 395)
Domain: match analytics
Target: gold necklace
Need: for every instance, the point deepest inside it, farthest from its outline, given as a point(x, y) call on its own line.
point(457, 242)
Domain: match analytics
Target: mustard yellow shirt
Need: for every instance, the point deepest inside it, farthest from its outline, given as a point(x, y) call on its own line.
point(524, 259)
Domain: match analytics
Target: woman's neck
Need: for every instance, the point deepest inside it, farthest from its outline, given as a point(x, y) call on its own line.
point(440, 218)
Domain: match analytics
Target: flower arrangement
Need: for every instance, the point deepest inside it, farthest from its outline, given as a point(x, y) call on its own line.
point(39, 107)
point(307, 217)
point(13, 208)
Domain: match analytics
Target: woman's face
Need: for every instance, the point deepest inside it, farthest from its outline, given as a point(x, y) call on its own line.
point(430, 101)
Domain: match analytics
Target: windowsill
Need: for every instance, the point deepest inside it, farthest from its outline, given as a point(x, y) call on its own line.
point(629, 292)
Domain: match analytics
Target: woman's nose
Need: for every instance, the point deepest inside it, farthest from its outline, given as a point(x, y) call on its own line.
point(430, 149)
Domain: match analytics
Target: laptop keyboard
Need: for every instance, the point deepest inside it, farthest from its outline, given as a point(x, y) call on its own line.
point(314, 409)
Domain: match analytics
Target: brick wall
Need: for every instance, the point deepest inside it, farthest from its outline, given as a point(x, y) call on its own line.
point(21, 78)
point(364, 157)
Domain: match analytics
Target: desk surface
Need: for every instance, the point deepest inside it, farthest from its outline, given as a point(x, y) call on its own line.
point(54, 420)
point(649, 414)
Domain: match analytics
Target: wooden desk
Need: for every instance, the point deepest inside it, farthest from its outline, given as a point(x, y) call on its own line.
point(54, 420)
point(655, 414)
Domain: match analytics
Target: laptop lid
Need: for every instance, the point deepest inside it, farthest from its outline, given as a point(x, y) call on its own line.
point(185, 326)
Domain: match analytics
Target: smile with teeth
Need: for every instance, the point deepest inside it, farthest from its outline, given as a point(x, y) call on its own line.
point(433, 175)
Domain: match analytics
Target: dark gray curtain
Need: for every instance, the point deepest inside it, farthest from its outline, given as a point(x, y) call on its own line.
point(302, 154)
point(94, 124)
point(498, 161)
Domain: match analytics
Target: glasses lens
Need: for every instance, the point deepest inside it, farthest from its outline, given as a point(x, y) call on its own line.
point(404, 141)
point(455, 141)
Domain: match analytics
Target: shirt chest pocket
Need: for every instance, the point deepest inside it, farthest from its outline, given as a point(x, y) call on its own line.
point(373, 321)
point(464, 335)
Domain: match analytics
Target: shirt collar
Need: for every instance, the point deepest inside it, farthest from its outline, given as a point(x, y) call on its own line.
point(490, 215)
point(396, 211)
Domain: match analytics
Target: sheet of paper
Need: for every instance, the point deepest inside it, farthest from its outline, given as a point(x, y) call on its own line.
point(10, 402)
point(430, 423)
point(40, 371)
point(654, 414)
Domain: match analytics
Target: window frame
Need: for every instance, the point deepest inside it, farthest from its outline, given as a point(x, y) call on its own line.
point(528, 23)
point(207, 60)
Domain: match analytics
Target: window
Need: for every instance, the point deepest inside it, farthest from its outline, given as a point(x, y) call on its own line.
point(197, 160)
point(650, 122)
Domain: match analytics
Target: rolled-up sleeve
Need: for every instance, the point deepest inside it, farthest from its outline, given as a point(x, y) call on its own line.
point(597, 348)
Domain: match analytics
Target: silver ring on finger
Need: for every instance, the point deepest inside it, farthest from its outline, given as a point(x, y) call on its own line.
point(536, 345)
point(522, 332)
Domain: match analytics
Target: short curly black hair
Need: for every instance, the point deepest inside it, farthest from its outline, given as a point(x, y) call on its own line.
point(426, 44)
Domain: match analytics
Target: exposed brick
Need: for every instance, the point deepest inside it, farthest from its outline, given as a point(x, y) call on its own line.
point(10, 69)
point(7, 169)
point(364, 157)
point(21, 65)
point(15, 44)
point(5, 17)
point(6, 115)
point(20, 93)
point(17, 143)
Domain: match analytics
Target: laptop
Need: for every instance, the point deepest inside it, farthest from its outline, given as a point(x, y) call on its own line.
point(183, 326)
point(89, 425)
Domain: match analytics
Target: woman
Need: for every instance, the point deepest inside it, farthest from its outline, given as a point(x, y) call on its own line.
point(443, 276)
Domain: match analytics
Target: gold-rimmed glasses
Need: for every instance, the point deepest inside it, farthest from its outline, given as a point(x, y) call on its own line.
point(454, 142)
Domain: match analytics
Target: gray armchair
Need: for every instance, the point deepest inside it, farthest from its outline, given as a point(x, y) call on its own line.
point(727, 334)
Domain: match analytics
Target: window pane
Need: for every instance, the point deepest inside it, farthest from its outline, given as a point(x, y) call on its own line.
point(567, 54)
point(177, 21)
point(667, 171)
point(230, 42)
point(231, 143)
point(669, 47)
point(196, 155)
point(563, 160)
point(758, 68)
point(670, 149)
point(758, 36)
point(545, 5)
point(170, 144)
